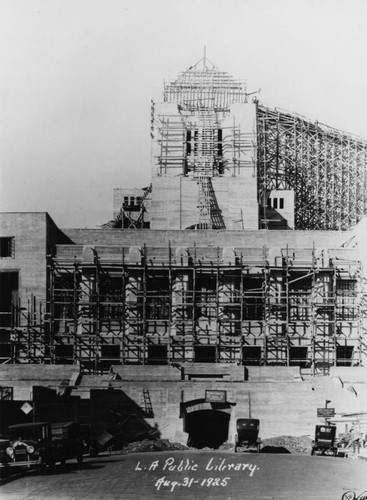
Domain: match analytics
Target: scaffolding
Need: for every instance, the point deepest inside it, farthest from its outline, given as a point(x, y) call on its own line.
point(122, 305)
point(326, 168)
point(131, 215)
point(204, 86)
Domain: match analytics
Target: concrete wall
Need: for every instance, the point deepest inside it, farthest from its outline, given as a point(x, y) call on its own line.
point(174, 202)
point(284, 403)
point(29, 231)
point(209, 238)
point(35, 236)
point(119, 195)
point(237, 198)
point(23, 377)
point(286, 213)
point(285, 406)
point(208, 246)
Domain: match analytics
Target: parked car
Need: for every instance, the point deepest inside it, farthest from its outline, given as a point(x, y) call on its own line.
point(4, 444)
point(42, 445)
point(247, 437)
point(324, 442)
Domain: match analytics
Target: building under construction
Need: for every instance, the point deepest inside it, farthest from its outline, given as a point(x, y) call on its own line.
point(244, 251)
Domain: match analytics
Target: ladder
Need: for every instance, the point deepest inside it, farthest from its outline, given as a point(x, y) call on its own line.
point(210, 215)
point(147, 404)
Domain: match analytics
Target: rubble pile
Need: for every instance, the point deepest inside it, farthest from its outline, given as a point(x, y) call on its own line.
point(281, 444)
point(296, 445)
point(153, 445)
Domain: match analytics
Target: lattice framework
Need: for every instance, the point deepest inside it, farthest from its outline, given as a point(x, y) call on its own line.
point(326, 168)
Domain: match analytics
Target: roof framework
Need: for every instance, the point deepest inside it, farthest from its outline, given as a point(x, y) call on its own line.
point(204, 86)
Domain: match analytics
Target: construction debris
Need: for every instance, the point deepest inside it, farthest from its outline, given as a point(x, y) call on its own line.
point(155, 445)
point(282, 444)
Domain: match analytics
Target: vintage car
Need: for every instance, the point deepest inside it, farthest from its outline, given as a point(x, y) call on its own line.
point(247, 437)
point(42, 445)
point(324, 442)
point(4, 445)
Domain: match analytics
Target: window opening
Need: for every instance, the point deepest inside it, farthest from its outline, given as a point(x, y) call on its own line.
point(205, 354)
point(344, 355)
point(298, 356)
point(64, 354)
point(157, 297)
point(157, 355)
point(7, 248)
point(251, 355)
point(8, 296)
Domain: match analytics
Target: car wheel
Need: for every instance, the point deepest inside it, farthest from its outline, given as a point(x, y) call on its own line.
point(47, 467)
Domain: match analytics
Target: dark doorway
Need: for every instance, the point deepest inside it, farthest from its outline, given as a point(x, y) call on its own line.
point(8, 296)
point(207, 428)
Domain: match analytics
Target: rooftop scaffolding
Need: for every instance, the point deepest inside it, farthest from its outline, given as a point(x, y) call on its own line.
point(204, 86)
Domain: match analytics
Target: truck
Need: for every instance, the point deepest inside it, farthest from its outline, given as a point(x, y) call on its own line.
point(324, 442)
point(247, 437)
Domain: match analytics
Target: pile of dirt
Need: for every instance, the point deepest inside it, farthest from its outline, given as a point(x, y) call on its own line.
point(282, 444)
point(226, 446)
point(153, 445)
point(287, 444)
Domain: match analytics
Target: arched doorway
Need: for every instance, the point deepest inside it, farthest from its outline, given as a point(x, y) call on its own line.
point(207, 424)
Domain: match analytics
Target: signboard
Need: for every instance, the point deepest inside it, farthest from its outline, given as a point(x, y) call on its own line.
point(213, 396)
point(326, 412)
point(27, 408)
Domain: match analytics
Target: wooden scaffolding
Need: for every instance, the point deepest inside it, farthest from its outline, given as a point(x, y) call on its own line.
point(120, 305)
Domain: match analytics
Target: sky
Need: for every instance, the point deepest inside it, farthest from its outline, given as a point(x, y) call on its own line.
point(78, 76)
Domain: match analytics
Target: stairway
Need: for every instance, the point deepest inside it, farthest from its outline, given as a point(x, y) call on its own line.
point(210, 215)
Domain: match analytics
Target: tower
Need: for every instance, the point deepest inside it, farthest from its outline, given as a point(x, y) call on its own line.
point(204, 153)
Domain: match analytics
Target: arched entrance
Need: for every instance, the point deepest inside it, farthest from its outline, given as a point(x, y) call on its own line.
point(207, 424)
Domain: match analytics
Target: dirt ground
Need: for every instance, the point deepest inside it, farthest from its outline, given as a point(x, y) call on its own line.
point(195, 474)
